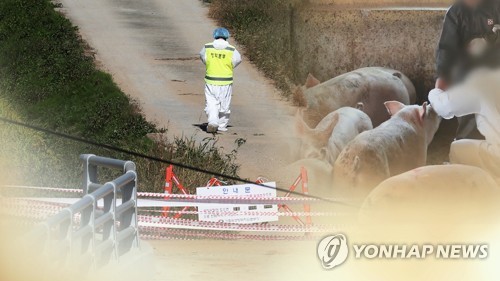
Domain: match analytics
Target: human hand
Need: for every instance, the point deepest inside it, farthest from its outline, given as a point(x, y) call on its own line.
point(441, 84)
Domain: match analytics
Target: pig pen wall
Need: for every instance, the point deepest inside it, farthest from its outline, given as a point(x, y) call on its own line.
point(328, 42)
point(289, 39)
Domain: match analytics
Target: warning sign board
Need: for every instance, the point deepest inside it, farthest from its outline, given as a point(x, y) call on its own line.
point(238, 213)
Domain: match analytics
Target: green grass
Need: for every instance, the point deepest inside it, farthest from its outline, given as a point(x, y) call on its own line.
point(47, 79)
point(43, 67)
point(264, 28)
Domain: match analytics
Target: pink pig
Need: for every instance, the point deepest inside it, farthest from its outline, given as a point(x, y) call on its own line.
point(396, 146)
point(371, 86)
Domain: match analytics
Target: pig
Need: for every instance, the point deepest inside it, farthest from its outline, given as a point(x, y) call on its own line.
point(431, 194)
point(371, 86)
point(396, 146)
point(332, 134)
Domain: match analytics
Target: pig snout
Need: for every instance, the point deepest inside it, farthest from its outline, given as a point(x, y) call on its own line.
point(432, 122)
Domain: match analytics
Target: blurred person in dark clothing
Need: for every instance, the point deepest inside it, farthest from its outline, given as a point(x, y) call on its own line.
point(469, 40)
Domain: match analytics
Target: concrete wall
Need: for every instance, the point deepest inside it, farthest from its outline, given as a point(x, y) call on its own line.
point(328, 41)
point(295, 37)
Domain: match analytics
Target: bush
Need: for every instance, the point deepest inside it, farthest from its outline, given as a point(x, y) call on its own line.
point(265, 28)
point(189, 152)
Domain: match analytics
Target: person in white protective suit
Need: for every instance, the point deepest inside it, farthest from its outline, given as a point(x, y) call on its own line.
point(479, 94)
point(220, 59)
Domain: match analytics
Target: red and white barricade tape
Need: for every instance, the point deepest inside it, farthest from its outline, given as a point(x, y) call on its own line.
point(164, 227)
point(38, 204)
point(27, 208)
point(219, 199)
point(245, 213)
point(159, 233)
point(42, 188)
point(221, 226)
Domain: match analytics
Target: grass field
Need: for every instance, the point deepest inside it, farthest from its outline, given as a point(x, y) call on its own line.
point(48, 79)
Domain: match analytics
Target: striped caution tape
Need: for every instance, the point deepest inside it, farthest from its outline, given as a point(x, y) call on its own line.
point(20, 206)
point(162, 233)
point(43, 188)
point(16, 205)
point(247, 213)
point(159, 233)
point(222, 199)
point(221, 226)
point(219, 198)
point(29, 209)
point(24, 204)
point(165, 226)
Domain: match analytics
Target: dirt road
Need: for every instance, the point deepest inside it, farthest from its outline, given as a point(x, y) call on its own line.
point(150, 48)
point(238, 260)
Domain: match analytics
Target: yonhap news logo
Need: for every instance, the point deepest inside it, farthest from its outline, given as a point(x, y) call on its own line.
point(334, 250)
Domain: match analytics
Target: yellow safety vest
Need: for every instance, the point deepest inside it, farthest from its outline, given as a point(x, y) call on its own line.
point(219, 65)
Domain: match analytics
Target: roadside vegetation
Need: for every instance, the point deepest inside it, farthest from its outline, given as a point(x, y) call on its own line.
point(265, 28)
point(48, 79)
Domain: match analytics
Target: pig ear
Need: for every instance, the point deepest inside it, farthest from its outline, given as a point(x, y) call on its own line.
point(299, 98)
point(393, 107)
point(422, 112)
point(322, 135)
point(311, 81)
point(301, 127)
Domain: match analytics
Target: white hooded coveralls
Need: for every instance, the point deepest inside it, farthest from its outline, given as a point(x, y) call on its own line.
point(218, 98)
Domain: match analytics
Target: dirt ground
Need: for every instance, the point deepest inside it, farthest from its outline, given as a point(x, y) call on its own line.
point(151, 47)
point(246, 260)
point(212, 260)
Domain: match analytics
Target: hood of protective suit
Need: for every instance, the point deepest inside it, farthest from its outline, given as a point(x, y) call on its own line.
point(220, 44)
